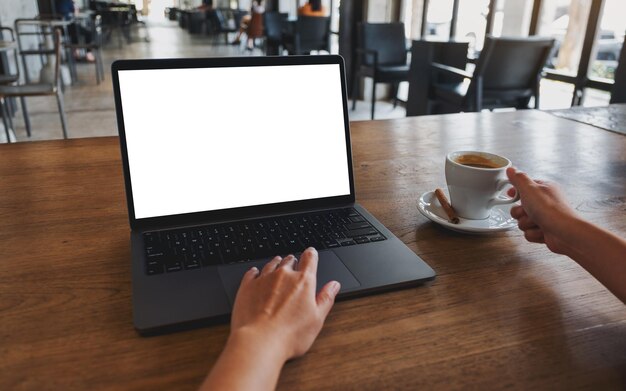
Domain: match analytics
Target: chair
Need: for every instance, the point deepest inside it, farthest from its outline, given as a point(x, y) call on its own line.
point(95, 46)
point(223, 21)
point(275, 24)
point(138, 24)
point(507, 74)
point(10, 73)
point(31, 37)
point(197, 22)
point(382, 56)
point(423, 54)
point(37, 89)
point(11, 46)
point(618, 93)
point(116, 19)
point(308, 33)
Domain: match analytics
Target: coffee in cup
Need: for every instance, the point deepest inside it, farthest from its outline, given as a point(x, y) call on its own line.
point(475, 183)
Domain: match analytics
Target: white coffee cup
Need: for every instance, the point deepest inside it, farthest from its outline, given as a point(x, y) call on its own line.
point(475, 183)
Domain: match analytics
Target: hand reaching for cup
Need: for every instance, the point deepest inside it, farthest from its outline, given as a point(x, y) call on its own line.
point(545, 217)
point(542, 212)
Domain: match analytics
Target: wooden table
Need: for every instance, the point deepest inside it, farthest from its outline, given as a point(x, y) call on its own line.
point(502, 313)
point(611, 117)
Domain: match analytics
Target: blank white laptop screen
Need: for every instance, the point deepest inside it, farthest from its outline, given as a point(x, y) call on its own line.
point(203, 139)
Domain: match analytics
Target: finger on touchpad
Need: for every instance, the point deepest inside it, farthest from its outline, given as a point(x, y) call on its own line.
point(329, 268)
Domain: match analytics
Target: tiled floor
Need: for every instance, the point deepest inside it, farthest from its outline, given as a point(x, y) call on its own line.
point(90, 108)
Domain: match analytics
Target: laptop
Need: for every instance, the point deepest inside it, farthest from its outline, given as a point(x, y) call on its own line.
point(231, 161)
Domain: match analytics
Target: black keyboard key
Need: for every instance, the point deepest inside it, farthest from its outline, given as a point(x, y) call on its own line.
point(150, 238)
point(377, 238)
point(183, 250)
point(361, 239)
point(230, 254)
point(173, 265)
point(360, 232)
point(246, 250)
point(154, 269)
point(211, 257)
point(154, 252)
point(192, 262)
point(353, 226)
point(348, 242)
point(331, 243)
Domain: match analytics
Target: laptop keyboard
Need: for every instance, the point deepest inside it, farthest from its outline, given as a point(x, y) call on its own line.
point(192, 248)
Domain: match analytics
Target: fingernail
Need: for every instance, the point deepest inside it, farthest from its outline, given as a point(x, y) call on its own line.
point(335, 286)
point(254, 269)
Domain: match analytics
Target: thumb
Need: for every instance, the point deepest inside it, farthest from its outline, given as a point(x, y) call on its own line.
point(326, 297)
point(518, 179)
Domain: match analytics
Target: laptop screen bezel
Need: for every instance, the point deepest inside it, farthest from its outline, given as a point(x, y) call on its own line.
point(231, 213)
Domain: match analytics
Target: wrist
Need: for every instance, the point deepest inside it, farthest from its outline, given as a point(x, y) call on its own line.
point(570, 230)
point(260, 343)
point(251, 349)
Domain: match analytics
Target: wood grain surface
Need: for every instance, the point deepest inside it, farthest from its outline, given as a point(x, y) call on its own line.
point(611, 117)
point(502, 313)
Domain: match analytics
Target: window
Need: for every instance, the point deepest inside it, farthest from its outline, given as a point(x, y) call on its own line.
point(609, 41)
point(438, 19)
point(512, 18)
point(471, 23)
point(566, 21)
point(593, 97)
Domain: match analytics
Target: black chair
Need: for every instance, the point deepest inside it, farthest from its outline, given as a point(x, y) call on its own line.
point(136, 23)
point(52, 87)
point(197, 22)
point(507, 74)
point(308, 33)
point(423, 54)
point(94, 28)
point(223, 21)
point(275, 24)
point(618, 93)
point(116, 20)
point(382, 56)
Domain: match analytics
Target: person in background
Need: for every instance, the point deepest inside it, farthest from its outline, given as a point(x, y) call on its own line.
point(313, 8)
point(277, 315)
point(256, 8)
point(206, 5)
point(67, 10)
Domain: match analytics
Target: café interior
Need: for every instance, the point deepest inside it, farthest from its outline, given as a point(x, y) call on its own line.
point(542, 82)
point(579, 70)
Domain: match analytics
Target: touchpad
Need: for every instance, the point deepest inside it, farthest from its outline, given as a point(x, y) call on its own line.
point(329, 268)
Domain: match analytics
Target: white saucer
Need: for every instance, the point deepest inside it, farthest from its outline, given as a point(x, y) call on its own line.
point(499, 220)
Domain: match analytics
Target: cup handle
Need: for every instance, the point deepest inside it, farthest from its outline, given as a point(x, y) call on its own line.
point(499, 201)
